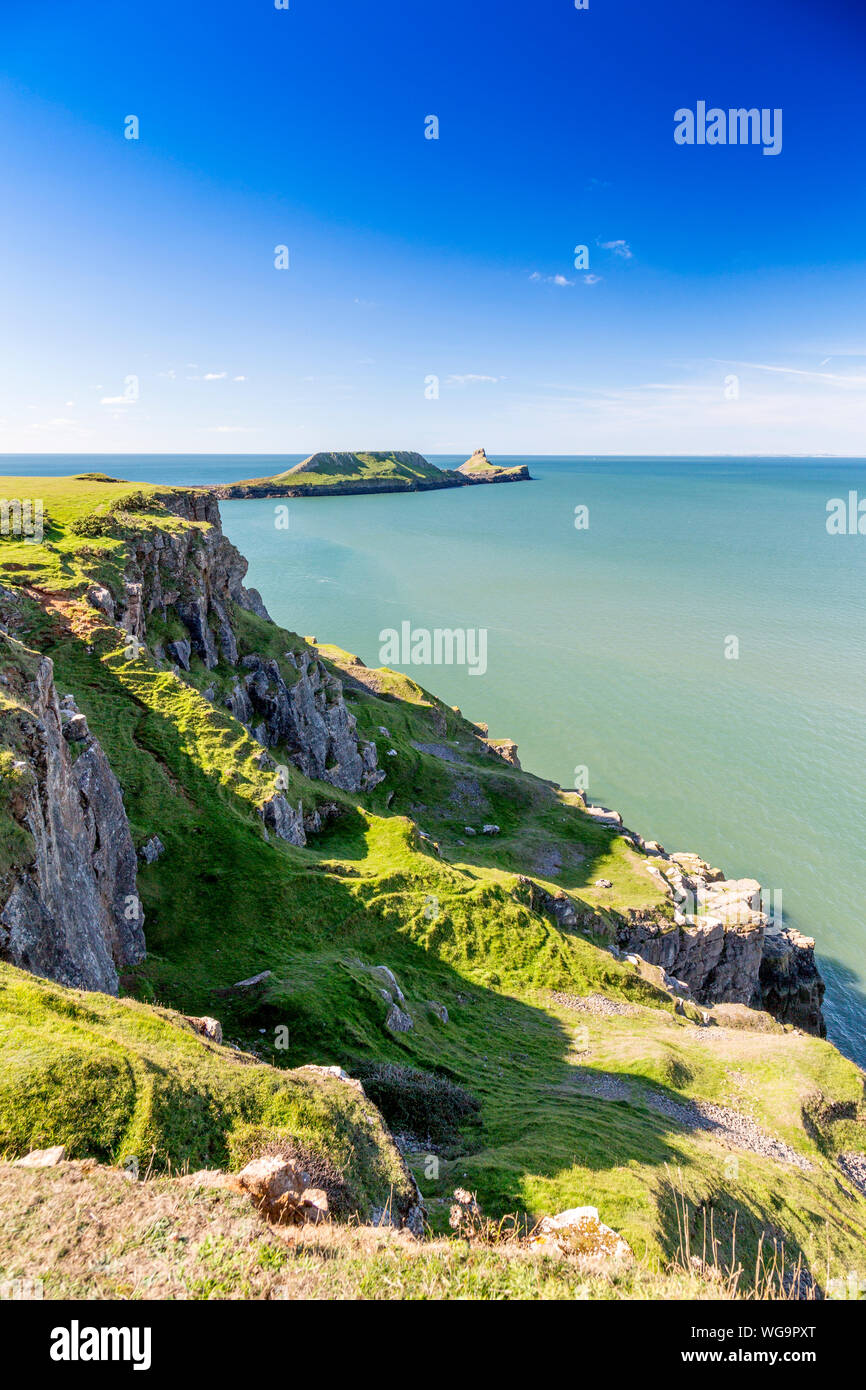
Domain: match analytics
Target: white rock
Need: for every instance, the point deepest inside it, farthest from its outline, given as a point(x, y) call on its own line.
point(42, 1158)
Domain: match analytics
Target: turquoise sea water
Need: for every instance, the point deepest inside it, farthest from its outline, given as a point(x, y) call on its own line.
point(606, 646)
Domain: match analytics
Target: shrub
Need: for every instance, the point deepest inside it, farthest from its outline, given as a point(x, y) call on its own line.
point(422, 1103)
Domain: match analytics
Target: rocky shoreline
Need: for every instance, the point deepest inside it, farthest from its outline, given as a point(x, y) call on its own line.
point(227, 492)
point(720, 944)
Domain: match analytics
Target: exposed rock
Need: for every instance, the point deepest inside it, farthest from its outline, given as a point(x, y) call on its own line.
point(398, 1021)
point(336, 1072)
point(490, 830)
point(309, 718)
point(100, 597)
point(504, 748)
point(286, 822)
point(695, 867)
point(556, 905)
point(790, 985)
point(388, 980)
point(438, 1010)
point(180, 651)
point(281, 1191)
point(152, 849)
point(42, 1158)
point(726, 949)
point(72, 912)
point(253, 980)
point(717, 961)
point(74, 727)
point(579, 1231)
point(196, 572)
point(208, 1027)
point(603, 815)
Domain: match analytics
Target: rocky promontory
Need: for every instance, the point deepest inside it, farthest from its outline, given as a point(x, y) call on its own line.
point(344, 474)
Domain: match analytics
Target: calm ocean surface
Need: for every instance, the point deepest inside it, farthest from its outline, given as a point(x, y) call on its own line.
point(606, 646)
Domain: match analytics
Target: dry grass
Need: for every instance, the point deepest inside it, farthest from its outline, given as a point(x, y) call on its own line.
point(87, 1231)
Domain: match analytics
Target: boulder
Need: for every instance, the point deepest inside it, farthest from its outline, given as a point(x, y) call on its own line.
point(280, 1190)
point(579, 1231)
point(42, 1158)
point(397, 1020)
point(75, 728)
point(99, 597)
point(207, 1027)
point(152, 849)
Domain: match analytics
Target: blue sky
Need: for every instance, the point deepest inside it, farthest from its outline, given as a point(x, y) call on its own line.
point(410, 258)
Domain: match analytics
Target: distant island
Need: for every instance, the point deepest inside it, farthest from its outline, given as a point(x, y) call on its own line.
point(390, 471)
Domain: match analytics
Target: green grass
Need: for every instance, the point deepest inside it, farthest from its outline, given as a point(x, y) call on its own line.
point(327, 469)
point(116, 1080)
point(223, 904)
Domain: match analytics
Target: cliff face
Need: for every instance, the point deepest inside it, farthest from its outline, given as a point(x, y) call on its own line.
point(308, 718)
point(197, 574)
point(70, 909)
point(724, 947)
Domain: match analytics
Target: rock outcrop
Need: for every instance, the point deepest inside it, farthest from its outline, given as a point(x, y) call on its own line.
point(195, 574)
point(790, 984)
point(308, 718)
point(724, 946)
point(70, 907)
point(479, 469)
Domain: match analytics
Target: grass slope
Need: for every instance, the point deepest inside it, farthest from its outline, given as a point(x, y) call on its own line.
point(572, 1103)
point(363, 466)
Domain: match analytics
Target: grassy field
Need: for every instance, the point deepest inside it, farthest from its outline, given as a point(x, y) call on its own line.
point(580, 1102)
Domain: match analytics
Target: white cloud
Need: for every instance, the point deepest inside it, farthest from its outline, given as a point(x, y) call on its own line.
point(238, 378)
point(469, 379)
point(835, 377)
point(592, 279)
point(117, 400)
point(619, 248)
point(551, 279)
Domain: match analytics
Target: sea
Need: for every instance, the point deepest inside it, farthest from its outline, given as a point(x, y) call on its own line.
point(684, 637)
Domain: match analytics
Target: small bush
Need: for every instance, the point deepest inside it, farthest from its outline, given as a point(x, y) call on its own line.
point(421, 1103)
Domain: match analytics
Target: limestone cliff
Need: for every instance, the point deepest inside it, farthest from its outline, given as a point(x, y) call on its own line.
point(69, 907)
point(197, 574)
point(723, 946)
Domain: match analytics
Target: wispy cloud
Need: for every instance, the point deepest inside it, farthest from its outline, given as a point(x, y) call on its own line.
point(551, 279)
point(836, 377)
point(468, 379)
point(619, 248)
